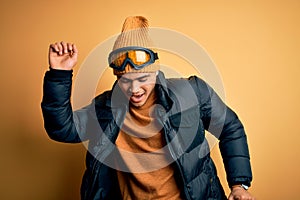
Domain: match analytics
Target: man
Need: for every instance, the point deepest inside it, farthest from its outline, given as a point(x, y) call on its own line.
point(146, 135)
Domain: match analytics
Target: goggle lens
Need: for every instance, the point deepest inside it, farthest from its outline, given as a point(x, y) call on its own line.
point(138, 57)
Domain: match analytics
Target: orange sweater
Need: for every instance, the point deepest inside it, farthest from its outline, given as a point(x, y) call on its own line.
point(140, 143)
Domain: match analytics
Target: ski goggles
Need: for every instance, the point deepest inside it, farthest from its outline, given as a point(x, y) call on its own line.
point(137, 57)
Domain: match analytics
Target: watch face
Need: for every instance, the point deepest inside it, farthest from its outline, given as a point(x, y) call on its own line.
point(245, 187)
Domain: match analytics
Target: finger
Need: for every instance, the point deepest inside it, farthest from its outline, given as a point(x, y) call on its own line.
point(64, 47)
point(53, 48)
point(75, 50)
point(70, 47)
point(60, 48)
point(236, 197)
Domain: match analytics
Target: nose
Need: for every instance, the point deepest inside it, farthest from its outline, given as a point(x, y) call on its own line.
point(135, 87)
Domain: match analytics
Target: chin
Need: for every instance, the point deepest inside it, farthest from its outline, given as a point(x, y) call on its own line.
point(138, 104)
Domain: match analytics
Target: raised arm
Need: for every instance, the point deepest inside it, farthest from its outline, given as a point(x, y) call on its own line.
point(59, 119)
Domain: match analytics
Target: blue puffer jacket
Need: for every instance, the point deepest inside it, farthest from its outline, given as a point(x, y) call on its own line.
point(187, 108)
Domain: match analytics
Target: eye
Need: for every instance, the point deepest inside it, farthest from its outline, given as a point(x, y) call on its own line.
point(124, 80)
point(142, 80)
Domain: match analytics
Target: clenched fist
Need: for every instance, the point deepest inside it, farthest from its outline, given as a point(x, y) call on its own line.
point(238, 193)
point(62, 55)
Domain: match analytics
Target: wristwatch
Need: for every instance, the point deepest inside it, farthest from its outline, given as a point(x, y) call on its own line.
point(246, 187)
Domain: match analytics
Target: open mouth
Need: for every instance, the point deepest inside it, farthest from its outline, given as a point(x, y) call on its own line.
point(136, 98)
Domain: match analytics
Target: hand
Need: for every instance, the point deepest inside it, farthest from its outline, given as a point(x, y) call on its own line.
point(239, 193)
point(62, 55)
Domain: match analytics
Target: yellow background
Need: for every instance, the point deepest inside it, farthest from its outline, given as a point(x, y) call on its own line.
point(255, 45)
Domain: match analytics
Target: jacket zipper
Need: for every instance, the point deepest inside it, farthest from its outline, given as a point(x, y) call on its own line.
point(93, 174)
point(178, 165)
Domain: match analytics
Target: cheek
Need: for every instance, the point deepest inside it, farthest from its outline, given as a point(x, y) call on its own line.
point(149, 88)
point(124, 87)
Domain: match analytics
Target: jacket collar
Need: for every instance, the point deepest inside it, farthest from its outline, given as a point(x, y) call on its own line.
point(163, 92)
point(117, 99)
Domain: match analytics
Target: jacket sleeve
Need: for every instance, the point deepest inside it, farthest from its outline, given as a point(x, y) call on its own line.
point(60, 122)
point(224, 124)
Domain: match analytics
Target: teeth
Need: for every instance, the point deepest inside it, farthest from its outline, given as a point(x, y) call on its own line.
point(137, 95)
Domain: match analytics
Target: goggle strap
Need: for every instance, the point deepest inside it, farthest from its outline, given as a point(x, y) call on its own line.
point(155, 56)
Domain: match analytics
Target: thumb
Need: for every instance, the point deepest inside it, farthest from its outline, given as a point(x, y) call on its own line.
point(230, 197)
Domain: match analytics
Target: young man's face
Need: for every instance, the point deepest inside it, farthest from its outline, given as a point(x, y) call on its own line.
point(137, 86)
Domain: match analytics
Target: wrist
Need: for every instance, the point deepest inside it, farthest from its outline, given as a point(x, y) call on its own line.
point(56, 74)
point(59, 69)
point(240, 186)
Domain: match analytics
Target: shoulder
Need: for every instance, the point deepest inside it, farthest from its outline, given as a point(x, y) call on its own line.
point(191, 83)
point(191, 89)
point(101, 99)
point(192, 80)
point(185, 91)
